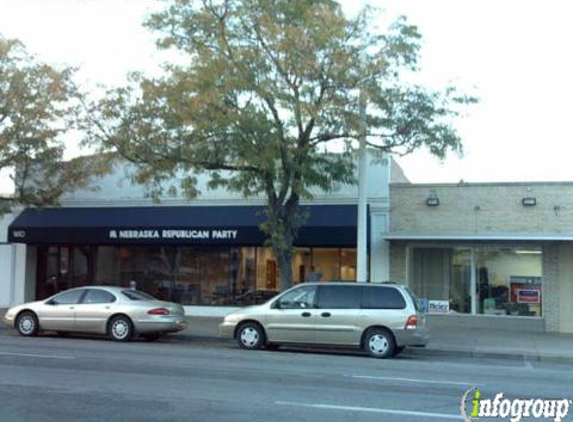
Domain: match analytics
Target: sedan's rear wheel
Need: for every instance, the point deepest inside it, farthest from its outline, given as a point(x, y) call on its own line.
point(251, 336)
point(27, 324)
point(120, 328)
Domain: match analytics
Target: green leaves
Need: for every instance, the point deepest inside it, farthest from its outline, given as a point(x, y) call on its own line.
point(38, 104)
point(268, 86)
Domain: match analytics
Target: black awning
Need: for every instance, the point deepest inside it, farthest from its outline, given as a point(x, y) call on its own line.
point(327, 225)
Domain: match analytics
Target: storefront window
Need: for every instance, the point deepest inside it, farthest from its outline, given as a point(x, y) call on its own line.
point(326, 264)
point(348, 264)
point(206, 275)
point(301, 264)
point(509, 281)
point(61, 268)
point(267, 270)
point(460, 296)
point(505, 280)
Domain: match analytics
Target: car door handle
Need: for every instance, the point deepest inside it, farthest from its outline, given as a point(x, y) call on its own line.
point(71, 307)
point(305, 314)
point(325, 314)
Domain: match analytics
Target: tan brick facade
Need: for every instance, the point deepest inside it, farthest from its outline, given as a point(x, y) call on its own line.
point(483, 208)
point(398, 262)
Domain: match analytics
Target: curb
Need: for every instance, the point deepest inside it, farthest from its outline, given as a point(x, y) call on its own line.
point(423, 352)
point(469, 354)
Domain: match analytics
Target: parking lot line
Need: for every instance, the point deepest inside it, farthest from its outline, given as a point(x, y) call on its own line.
point(414, 380)
point(369, 410)
point(30, 355)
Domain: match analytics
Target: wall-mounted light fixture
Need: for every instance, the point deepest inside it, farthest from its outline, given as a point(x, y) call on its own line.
point(528, 251)
point(529, 199)
point(432, 200)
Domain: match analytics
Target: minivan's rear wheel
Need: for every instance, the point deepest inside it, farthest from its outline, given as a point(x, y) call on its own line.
point(120, 328)
point(27, 324)
point(251, 336)
point(379, 343)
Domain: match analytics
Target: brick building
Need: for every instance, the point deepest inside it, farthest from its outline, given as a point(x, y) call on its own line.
point(483, 251)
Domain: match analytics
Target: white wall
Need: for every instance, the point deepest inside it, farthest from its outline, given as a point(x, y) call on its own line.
point(380, 249)
point(6, 275)
point(117, 189)
point(12, 266)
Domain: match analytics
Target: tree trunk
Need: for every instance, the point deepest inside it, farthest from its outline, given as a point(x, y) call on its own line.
point(283, 221)
point(284, 261)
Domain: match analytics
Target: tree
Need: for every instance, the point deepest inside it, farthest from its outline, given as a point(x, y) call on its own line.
point(38, 104)
point(266, 87)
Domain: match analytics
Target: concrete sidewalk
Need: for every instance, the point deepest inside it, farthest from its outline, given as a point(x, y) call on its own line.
point(452, 341)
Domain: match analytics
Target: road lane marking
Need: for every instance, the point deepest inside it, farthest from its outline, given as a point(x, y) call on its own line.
point(369, 410)
point(414, 380)
point(30, 355)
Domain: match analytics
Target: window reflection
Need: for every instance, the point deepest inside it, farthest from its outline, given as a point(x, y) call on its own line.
point(509, 281)
point(505, 280)
point(205, 275)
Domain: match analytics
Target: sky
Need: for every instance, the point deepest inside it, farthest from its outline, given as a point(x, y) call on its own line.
point(514, 55)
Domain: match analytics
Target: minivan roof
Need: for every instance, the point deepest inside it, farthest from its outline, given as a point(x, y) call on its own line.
point(349, 283)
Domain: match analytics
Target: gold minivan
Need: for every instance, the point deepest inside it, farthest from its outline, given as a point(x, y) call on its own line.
point(381, 318)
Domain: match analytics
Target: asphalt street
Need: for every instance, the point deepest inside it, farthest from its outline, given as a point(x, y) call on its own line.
point(89, 379)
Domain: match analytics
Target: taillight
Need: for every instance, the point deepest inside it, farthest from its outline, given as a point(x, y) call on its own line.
point(411, 322)
point(158, 311)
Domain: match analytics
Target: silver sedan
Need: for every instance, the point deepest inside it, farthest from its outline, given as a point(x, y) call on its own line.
point(120, 313)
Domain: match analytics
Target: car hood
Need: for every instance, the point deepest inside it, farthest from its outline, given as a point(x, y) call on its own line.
point(249, 310)
point(27, 305)
point(14, 310)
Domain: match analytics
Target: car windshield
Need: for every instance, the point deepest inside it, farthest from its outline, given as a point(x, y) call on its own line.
point(137, 295)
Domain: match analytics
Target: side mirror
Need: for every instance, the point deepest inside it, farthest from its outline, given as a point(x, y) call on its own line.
point(51, 302)
point(276, 305)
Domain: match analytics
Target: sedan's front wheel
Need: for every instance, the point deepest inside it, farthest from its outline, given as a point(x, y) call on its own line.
point(27, 324)
point(251, 336)
point(120, 328)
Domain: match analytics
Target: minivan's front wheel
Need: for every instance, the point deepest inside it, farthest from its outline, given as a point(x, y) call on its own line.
point(379, 343)
point(250, 336)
